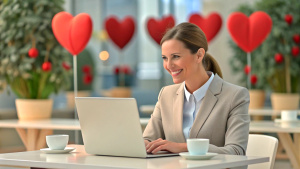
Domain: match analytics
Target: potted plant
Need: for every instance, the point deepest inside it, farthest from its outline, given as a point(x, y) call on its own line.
point(239, 67)
point(276, 62)
point(32, 62)
point(281, 52)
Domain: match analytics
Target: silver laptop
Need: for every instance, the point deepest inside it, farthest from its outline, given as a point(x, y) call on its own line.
point(111, 126)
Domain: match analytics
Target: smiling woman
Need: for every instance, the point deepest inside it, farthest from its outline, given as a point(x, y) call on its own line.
point(182, 64)
point(192, 50)
point(200, 99)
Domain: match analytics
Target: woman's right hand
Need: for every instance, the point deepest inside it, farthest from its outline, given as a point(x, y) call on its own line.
point(164, 145)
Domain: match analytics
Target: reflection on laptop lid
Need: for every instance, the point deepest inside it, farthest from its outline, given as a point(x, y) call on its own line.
point(111, 126)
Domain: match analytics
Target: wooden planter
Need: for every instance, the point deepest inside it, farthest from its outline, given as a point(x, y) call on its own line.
point(285, 101)
point(34, 109)
point(257, 99)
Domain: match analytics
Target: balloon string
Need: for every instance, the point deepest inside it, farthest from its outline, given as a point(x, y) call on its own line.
point(75, 74)
point(75, 94)
point(249, 74)
point(121, 73)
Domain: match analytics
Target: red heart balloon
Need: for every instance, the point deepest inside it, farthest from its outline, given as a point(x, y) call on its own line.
point(249, 33)
point(157, 28)
point(73, 33)
point(210, 25)
point(120, 32)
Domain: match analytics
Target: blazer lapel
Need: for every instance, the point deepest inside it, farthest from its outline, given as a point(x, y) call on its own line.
point(178, 115)
point(207, 105)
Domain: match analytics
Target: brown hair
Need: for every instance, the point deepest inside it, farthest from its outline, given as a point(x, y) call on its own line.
point(193, 38)
point(210, 64)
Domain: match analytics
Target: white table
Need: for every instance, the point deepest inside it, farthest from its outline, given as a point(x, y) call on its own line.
point(252, 112)
point(33, 133)
point(284, 131)
point(256, 114)
point(147, 109)
point(79, 160)
point(34, 138)
point(264, 112)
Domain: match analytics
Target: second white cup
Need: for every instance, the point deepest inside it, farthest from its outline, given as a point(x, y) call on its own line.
point(57, 142)
point(197, 146)
point(288, 115)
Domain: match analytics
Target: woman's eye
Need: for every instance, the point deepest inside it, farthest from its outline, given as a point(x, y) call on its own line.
point(176, 56)
point(164, 58)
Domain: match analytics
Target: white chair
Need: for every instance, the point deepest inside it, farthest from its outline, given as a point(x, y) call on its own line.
point(262, 145)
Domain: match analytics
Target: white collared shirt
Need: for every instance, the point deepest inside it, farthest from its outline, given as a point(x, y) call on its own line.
point(192, 103)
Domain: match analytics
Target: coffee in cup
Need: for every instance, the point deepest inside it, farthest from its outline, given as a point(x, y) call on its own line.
point(288, 115)
point(197, 146)
point(57, 142)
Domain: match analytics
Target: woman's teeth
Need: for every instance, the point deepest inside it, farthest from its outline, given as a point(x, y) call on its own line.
point(174, 73)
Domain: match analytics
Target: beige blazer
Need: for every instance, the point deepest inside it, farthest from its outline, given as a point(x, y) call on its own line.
point(222, 118)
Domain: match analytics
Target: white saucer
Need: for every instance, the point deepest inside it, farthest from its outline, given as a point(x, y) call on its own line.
point(49, 151)
point(207, 156)
point(286, 121)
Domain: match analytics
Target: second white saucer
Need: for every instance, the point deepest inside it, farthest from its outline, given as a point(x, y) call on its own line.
point(49, 151)
point(207, 156)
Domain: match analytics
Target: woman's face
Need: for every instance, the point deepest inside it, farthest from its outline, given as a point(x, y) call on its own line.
point(179, 61)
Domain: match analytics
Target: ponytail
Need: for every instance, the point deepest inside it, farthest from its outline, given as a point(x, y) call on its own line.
point(210, 64)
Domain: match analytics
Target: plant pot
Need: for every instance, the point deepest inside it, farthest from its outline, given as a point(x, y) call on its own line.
point(257, 99)
point(71, 98)
point(285, 101)
point(34, 109)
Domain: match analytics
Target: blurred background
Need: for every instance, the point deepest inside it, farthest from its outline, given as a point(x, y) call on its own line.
point(141, 55)
point(101, 63)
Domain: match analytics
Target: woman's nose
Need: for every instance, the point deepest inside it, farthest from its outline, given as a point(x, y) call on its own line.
point(169, 64)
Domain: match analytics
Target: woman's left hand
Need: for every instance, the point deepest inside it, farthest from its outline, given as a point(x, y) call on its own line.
point(160, 144)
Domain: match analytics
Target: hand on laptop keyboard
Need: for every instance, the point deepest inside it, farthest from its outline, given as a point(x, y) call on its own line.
point(161, 152)
point(164, 145)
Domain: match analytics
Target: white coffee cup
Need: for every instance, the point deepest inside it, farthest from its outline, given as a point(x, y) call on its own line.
point(289, 115)
point(197, 146)
point(57, 142)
